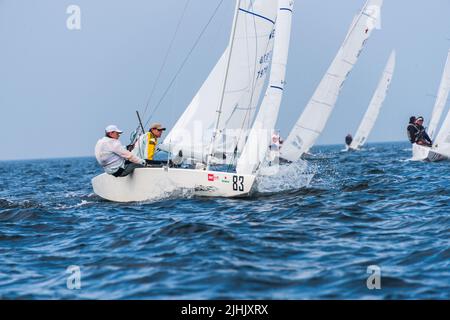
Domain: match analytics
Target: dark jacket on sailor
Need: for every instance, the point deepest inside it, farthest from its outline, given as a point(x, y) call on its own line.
point(423, 135)
point(413, 133)
point(348, 140)
point(417, 133)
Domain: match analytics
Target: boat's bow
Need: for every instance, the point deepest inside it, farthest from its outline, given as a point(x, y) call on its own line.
point(423, 153)
point(155, 183)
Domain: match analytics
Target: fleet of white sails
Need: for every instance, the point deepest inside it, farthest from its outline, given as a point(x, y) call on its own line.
point(314, 118)
point(243, 133)
point(229, 122)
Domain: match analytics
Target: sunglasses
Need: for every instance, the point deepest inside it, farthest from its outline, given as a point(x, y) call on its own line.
point(158, 129)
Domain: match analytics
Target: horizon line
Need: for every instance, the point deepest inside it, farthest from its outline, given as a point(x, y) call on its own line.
point(93, 156)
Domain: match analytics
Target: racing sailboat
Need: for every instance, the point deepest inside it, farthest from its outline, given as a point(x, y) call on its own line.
point(371, 115)
point(213, 129)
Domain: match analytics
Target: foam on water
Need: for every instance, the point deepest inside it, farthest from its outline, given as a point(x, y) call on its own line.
point(180, 193)
point(286, 177)
point(75, 206)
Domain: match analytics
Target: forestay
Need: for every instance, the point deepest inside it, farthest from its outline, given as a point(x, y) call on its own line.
point(315, 116)
point(257, 145)
point(248, 67)
point(375, 105)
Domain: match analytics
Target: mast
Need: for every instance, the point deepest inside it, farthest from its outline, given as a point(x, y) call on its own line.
point(219, 109)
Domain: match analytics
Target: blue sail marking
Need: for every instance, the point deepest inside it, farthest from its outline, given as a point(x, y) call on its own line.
point(257, 15)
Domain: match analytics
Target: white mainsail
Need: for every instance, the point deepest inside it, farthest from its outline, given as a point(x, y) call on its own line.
point(260, 135)
point(444, 89)
point(375, 105)
point(232, 90)
point(316, 114)
point(247, 71)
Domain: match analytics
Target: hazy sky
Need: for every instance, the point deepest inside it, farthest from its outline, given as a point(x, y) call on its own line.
point(59, 88)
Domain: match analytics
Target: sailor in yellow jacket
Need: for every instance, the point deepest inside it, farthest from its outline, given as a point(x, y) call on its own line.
point(145, 146)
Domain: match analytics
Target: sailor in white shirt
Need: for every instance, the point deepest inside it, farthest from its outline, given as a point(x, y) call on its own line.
point(113, 157)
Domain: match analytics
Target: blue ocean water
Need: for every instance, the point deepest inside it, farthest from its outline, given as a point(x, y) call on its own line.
point(313, 242)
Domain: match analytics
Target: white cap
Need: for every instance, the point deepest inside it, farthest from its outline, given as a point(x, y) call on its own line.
point(112, 128)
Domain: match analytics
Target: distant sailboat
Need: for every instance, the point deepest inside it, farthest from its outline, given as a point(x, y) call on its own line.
point(348, 141)
point(375, 105)
point(441, 146)
point(316, 114)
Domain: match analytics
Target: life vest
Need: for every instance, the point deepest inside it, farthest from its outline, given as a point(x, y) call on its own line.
point(152, 141)
point(145, 146)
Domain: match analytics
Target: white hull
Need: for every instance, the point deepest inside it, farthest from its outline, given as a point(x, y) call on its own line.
point(422, 153)
point(153, 183)
point(349, 149)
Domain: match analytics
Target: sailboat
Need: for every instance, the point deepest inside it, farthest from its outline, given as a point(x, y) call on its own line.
point(441, 146)
point(312, 121)
point(371, 115)
point(214, 127)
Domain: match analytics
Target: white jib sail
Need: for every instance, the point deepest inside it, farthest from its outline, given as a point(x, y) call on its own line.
point(444, 89)
point(247, 71)
point(375, 105)
point(315, 116)
point(260, 135)
point(442, 142)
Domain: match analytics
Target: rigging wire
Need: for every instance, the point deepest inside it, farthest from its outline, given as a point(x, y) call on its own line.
point(184, 62)
point(166, 57)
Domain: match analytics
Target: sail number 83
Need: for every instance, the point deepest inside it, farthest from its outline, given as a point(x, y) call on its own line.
point(238, 183)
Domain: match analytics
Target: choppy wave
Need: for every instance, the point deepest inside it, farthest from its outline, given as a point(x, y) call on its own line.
point(310, 232)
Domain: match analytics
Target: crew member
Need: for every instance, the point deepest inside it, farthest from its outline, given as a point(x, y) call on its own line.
point(145, 147)
point(422, 137)
point(412, 130)
point(113, 157)
point(348, 139)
